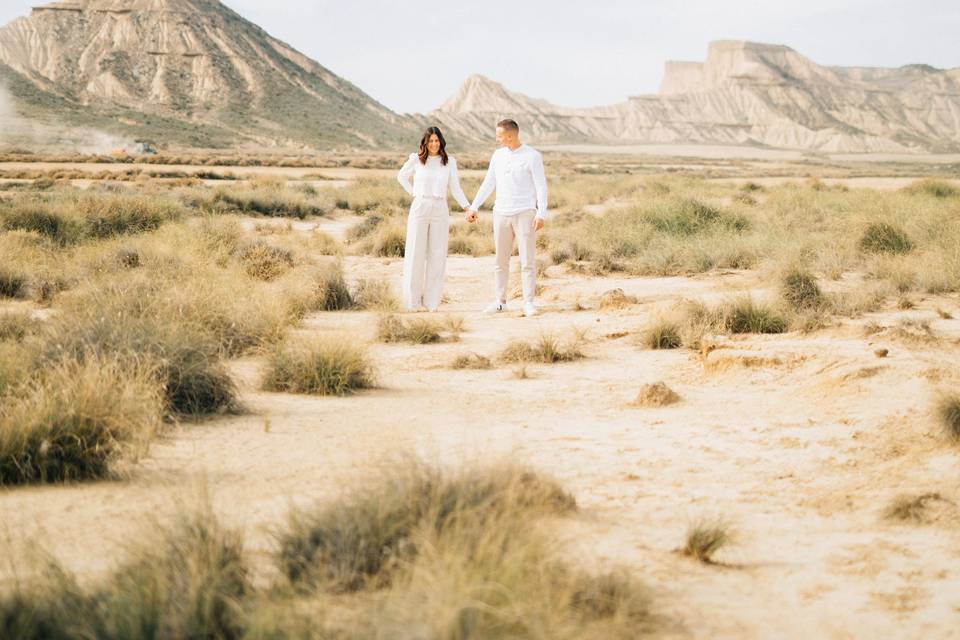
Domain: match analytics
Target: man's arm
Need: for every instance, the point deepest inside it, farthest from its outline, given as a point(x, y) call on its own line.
point(487, 186)
point(540, 185)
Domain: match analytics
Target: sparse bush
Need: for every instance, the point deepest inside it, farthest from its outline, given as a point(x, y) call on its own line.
point(389, 242)
point(76, 420)
point(12, 284)
point(547, 349)
point(362, 540)
point(746, 316)
point(15, 326)
point(392, 328)
point(70, 219)
point(800, 290)
point(264, 261)
point(705, 538)
point(906, 508)
point(269, 200)
point(188, 580)
point(370, 293)
point(933, 187)
point(332, 291)
point(689, 216)
point(186, 362)
point(364, 228)
point(948, 411)
point(471, 361)
point(663, 334)
point(321, 367)
point(883, 237)
point(61, 228)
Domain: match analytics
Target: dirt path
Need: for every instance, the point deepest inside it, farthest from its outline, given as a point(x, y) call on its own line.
point(800, 441)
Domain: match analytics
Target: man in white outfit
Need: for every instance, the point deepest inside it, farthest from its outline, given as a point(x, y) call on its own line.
point(516, 172)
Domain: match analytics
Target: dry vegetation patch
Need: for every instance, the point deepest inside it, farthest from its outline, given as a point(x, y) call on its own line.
point(324, 366)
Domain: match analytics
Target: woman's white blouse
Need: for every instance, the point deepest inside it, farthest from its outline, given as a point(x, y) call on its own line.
point(431, 180)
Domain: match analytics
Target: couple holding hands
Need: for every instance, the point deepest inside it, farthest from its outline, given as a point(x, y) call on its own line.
point(515, 172)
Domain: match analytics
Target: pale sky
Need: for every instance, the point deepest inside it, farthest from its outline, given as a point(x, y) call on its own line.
point(412, 55)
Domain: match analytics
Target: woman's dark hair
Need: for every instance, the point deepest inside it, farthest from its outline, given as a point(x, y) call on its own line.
point(426, 138)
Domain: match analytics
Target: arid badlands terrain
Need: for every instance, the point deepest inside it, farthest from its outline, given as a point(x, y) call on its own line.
point(743, 374)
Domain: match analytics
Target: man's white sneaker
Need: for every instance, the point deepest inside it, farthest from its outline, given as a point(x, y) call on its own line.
point(495, 307)
point(529, 310)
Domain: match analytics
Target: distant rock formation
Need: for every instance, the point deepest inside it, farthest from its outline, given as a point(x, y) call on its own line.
point(743, 94)
point(191, 72)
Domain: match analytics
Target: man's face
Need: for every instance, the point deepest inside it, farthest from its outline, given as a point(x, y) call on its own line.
point(506, 138)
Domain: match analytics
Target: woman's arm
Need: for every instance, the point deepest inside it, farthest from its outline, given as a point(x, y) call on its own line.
point(406, 173)
point(455, 187)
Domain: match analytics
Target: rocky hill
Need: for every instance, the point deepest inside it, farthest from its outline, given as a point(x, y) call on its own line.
point(192, 73)
point(183, 72)
point(743, 94)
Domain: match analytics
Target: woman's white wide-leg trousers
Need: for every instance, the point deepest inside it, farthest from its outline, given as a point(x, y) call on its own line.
point(425, 256)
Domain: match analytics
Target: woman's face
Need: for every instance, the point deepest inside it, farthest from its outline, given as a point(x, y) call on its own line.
point(433, 144)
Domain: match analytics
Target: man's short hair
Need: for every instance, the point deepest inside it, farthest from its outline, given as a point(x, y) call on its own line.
point(509, 125)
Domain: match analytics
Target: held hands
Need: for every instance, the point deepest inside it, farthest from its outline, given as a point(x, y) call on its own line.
point(471, 216)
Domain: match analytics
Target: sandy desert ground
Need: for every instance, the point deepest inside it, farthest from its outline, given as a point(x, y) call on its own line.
point(800, 441)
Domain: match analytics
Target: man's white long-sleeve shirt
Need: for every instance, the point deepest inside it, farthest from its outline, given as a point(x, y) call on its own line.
point(431, 180)
point(520, 181)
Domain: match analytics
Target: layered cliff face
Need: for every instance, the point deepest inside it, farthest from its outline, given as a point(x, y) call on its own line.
point(744, 93)
point(185, 71)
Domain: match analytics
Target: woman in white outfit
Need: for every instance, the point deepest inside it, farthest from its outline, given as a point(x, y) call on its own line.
point(428, 225)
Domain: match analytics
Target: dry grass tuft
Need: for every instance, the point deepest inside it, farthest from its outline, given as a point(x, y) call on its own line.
point(264, 261)
point(374, 294)
point(187, 580)
point(657, 394)
point(15, 326)
point(883, 237)
point(321, 367)
point(663, 334)
point(13, 284)
point(948, 412)
point(706, 537)
point(932, 187)
point(907, 508)
point(393, 328)
point(547, 349)
point(76, 420)
point(471, 361)
point(364, 539)
point(799, 289)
